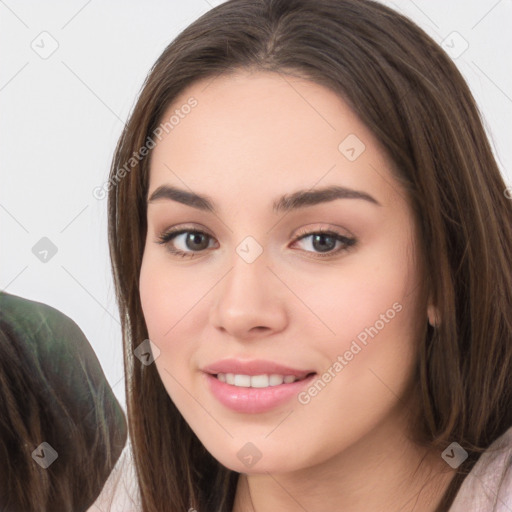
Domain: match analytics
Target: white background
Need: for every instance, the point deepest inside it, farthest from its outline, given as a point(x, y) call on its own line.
point(61, 118)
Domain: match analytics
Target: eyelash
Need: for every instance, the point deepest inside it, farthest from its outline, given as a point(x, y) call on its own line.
point(166, 237)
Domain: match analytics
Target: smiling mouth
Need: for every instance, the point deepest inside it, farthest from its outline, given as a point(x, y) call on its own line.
point(258, 381)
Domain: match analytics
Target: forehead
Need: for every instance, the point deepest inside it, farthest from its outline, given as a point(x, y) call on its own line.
point(253, 131)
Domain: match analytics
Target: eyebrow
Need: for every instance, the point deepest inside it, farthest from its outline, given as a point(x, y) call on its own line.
point(286, 203)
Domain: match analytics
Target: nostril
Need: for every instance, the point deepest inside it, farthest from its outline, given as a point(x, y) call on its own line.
point(260, 327)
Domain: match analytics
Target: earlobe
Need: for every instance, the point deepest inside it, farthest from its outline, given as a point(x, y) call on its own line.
point(433, 315)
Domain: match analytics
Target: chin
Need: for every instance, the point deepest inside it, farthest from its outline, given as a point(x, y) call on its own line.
point(255, 458)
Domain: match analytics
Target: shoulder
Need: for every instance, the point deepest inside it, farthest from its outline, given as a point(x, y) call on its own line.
point(43, 329)
point(488, 487)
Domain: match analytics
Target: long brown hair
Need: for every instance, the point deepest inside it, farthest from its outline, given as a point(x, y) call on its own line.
point(412, 97)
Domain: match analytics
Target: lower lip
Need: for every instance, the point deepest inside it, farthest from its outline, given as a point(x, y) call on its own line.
point(254, 400)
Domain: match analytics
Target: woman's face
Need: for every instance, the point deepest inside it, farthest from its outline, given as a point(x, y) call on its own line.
point(250, 303)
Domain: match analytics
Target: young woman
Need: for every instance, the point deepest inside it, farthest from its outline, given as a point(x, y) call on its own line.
point(307, 222)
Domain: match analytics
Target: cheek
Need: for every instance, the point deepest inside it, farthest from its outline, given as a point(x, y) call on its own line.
point(167, 295)
point(170, 304)
point(373, 313)
point(373, 290)
point(367, 368)
point(374, 352)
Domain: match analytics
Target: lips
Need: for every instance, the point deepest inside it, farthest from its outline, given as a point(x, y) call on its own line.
point(255, 386)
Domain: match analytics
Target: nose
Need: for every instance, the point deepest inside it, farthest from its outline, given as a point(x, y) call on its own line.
point(250, 301)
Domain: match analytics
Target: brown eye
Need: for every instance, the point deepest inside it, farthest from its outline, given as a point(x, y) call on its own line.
point(323, 242)
point(195, 241)
point(192, 241)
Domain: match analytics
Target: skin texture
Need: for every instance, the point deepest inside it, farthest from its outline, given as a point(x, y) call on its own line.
point(251, 138)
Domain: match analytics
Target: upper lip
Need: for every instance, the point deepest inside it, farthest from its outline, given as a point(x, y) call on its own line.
point(254, 367)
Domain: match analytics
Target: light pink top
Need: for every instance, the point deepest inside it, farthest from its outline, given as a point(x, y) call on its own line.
point(488, 487)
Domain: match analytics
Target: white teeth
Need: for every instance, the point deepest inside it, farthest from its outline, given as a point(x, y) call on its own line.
point(259, 381)
point(243, 381)
point(255, 381)
point(276, 380)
